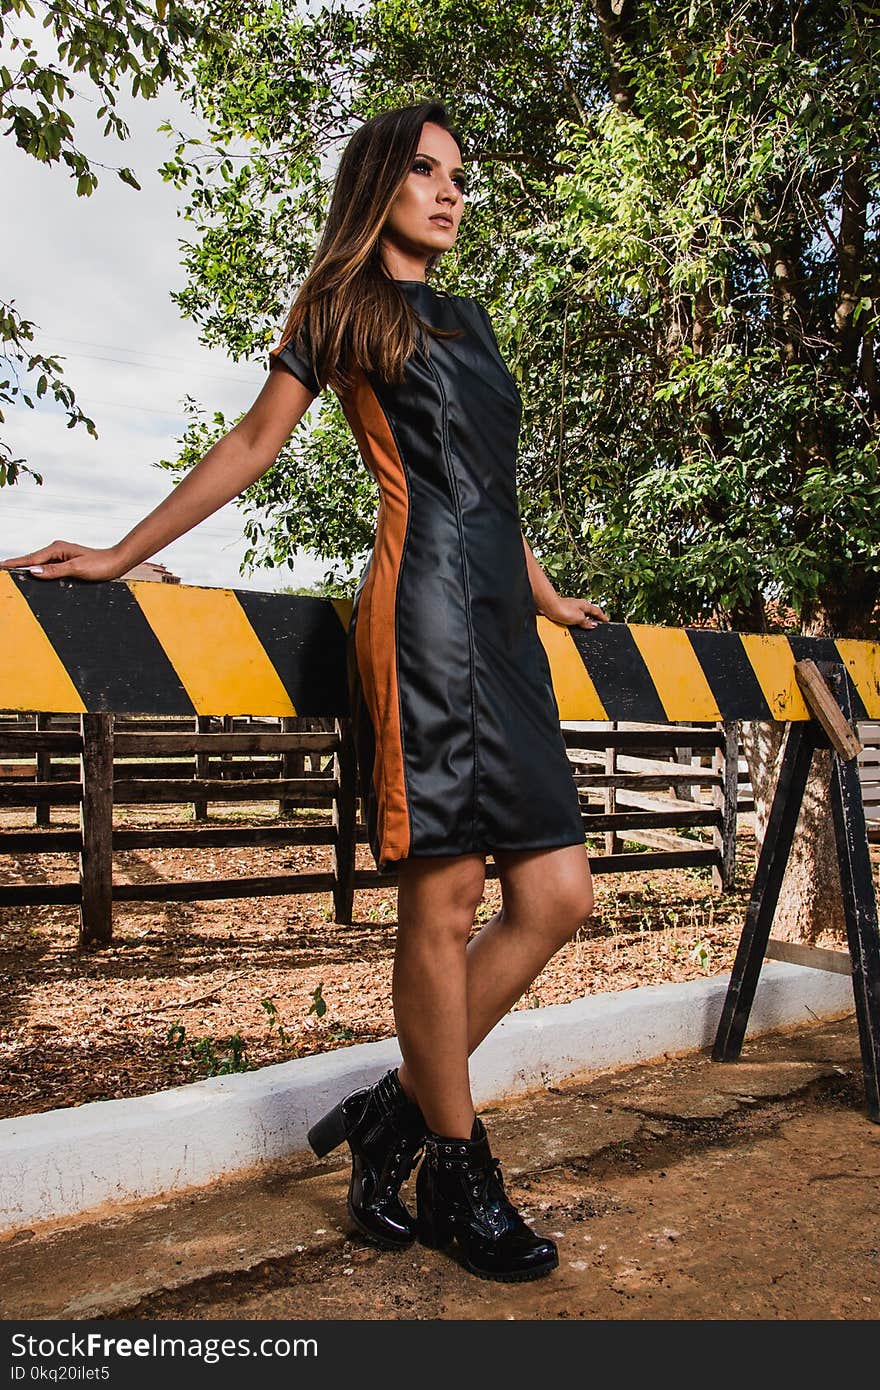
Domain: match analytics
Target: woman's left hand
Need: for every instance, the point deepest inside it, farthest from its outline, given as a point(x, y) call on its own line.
point(577, 612)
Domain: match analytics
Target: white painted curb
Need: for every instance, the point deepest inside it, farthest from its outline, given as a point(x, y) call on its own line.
point(68, 1162)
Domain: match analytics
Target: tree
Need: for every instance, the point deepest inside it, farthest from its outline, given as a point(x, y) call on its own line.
point(102, 43)
point(278, 104)
point(680, 205)
point(729, 196)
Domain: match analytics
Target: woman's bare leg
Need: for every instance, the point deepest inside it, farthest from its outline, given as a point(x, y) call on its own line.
point(437, 899)
point(546, 896)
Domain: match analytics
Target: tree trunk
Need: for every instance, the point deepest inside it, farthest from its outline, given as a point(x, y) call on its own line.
point(810, 908)
point(617, 25)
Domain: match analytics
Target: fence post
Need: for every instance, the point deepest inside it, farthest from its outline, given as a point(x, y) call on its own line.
point(43, 770)
point(96, 829)
point(684, 791)
point(613, 842)
point(203, 726)
point(292, 762)
point(725, 759)
point(344, 820)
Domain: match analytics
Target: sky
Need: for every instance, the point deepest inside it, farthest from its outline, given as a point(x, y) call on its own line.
point(95, 274)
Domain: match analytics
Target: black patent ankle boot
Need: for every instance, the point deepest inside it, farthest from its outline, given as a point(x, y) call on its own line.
point(386, 1133)
point(461, 1201)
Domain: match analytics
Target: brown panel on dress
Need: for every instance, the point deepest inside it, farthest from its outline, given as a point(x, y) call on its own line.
point(375, 642)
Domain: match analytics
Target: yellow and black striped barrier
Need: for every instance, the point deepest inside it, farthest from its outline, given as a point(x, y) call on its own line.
point(138, 647)
point(69, 646)
point(649, 674)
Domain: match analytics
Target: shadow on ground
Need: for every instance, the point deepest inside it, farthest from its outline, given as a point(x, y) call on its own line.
point(686, 1189)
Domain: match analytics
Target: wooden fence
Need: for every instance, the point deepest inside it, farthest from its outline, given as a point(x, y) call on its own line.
point(624, 774)
point(110, 664)
point(100, 761)
point(869, 775)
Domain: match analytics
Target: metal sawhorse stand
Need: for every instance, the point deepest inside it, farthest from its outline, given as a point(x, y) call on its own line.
point(830, 726)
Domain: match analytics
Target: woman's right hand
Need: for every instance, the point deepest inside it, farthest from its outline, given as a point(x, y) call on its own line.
point(67, 560)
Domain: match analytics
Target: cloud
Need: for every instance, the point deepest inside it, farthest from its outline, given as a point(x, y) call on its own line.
point(95, 275)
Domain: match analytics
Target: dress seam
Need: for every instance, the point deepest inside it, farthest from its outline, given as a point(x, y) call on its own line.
point(467, 593)
point(404, 550)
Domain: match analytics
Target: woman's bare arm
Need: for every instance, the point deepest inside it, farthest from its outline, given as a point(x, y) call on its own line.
point(227, 469)
point(572, 612)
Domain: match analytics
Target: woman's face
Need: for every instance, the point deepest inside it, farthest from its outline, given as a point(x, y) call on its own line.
point(424, 217)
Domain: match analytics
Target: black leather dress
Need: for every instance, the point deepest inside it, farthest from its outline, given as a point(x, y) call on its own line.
point(455, 719)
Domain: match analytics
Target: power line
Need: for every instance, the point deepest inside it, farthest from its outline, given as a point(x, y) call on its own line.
point(144, 409)
point(62, 500)
point(152, 367)
point(122, 347)
point(102, 513)
point(115, 509)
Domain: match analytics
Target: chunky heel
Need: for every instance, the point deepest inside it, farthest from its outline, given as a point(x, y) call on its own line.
point(427, 1231)
point(385, 1131)
point(329, 1132)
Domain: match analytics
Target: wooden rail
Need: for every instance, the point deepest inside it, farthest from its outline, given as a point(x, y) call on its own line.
point(98, 761)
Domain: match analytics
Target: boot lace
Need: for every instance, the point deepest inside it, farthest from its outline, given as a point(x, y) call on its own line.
point(490, 1185)
point(490, 1189)
point(403, 1160)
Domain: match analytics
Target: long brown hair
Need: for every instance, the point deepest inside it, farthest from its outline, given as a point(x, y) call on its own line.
point(352, 310)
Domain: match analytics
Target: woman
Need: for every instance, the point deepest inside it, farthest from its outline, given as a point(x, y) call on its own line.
point(456, 725)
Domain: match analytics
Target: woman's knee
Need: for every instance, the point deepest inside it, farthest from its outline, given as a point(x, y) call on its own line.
point(568, 904)
point(441, 896)
point(571, 904)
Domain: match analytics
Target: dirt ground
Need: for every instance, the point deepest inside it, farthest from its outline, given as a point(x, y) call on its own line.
point(188, 990)
point(686, 1189)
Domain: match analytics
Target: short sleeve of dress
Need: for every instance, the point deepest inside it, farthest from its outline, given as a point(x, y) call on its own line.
point(491, 339)
point(296, 356)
